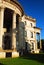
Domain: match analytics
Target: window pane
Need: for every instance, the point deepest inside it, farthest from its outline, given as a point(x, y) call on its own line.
point(25, 22)
point(31, 24)
point(31, 35)
point(38, 40)
point(32, 46)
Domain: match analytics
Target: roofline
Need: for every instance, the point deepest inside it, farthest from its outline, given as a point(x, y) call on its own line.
point(30, 18)
point(16, 2)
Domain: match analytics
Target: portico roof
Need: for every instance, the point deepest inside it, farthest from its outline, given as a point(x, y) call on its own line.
point(17, 4)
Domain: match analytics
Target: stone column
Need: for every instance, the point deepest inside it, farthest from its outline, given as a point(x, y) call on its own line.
point(14, 32)
point(35, 47)
point(1, 25)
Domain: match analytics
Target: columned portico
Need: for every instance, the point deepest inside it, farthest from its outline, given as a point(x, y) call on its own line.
point(10, 11)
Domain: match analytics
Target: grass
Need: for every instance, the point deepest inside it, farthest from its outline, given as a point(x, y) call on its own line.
point(31, 59)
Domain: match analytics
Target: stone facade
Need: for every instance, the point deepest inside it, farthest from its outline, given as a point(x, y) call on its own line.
point(16, 30)
point(30, 34)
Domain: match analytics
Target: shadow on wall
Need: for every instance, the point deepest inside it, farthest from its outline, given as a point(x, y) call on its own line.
point(20, 35)
point(24, 46)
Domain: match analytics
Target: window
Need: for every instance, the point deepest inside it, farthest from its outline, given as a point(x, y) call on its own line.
point(38, 40)
point(25, 22)
point(31, 24)
point(32, 46)
point(25, 33)
point(31, 34)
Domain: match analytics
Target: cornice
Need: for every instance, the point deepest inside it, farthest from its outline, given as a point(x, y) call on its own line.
point(30, 18)
point(15, 3)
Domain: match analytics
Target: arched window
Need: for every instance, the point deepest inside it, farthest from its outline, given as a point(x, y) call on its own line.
point(25, 22)
point(38, 40)
point(31, 34)
point(31, 24)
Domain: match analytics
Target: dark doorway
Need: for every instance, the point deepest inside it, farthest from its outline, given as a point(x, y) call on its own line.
point(8, 54)
point(8, 16)
point(17, 28)
point(7, 42)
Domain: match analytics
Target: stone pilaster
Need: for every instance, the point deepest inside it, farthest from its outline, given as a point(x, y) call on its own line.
point(14, 32)
point(1, 25)
point(35, 46)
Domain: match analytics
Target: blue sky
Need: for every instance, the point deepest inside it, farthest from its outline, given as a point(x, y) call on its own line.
point(35, 8)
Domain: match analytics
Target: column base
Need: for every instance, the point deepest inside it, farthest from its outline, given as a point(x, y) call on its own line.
point(2, 54)
point(11, 54)
point(37, 51)
point(15, 54)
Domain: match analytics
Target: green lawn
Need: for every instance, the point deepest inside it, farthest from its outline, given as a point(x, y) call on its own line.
point(30, 59)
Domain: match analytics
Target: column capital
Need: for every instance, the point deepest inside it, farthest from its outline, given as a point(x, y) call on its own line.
point(14, 12)
point(2, 7)
point(14, 17)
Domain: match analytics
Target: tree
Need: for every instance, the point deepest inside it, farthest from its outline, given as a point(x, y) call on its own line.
point(42, 42)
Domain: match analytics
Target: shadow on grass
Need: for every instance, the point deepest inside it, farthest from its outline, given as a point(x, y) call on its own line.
point(37, 57)
point(1, 64)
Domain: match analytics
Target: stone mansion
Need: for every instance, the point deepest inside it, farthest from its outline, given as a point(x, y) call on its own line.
point(17, 30)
